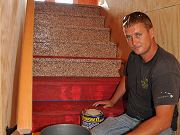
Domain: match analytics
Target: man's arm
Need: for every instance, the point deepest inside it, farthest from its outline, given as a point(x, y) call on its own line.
point(119, 91)
point(155, 125)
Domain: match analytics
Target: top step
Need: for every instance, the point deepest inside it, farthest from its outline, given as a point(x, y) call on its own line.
point(66, 9)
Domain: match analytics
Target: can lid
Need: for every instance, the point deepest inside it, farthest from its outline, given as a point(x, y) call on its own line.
point(93, 112)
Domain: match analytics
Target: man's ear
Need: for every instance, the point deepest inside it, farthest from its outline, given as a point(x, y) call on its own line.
point(151, 31)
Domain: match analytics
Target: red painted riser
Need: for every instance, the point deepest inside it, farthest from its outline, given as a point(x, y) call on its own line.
point(61, 99)
point(69, 88)
point(43, 121)
point(49, 113)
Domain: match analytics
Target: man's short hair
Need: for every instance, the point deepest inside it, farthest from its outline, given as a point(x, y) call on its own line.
point(137, 17)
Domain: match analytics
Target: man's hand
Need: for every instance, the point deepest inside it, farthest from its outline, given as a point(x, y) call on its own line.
point(105, 103)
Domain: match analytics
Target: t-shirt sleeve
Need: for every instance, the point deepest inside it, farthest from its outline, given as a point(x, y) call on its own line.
point(165, 89)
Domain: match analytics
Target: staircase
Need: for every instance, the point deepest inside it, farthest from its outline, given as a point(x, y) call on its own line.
point(74, 63)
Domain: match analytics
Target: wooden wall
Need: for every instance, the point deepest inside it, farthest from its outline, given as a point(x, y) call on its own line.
point(12, 19)
point(165, 15)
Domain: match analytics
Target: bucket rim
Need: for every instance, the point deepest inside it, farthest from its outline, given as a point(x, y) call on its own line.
point(63, 125)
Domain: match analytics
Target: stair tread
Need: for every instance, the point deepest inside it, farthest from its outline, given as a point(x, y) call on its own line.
point(72, 108)
point(75, 49)
point(66, 4)
point(68, 20)
point(77, 9)
point(77, 34)
point(71, 15)
point(57, 66)
point(77, 79)
point(77, 42)
point(76, 58)
point(52, 28)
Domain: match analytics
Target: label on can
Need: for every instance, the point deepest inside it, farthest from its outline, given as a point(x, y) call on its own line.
point(91, 118)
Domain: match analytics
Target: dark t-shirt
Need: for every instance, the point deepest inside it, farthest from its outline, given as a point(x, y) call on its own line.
point(150, 84)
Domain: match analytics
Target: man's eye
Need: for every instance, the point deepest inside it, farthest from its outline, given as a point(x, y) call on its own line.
point(128, 37)
point(138, 35)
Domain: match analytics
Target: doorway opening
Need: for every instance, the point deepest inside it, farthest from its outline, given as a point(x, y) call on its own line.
point(64, 1)
point(59, 1)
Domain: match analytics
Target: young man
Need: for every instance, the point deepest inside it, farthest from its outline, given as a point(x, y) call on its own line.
point(152, 81)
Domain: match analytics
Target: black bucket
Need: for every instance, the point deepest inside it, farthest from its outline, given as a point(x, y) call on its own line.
point(65, 129)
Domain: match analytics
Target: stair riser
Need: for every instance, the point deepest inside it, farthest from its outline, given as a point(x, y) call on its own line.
point(76, 67)
point(43, 34)
point(63, 9)
point(49, 113)
point(71, 49)
point(43, 121)
point(73, 89)
point(71, 92)
point(61, 20)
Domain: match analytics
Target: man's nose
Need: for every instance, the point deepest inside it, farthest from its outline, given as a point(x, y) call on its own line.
point(134, 41)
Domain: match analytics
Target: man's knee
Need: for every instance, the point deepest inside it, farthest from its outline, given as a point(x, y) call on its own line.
point(97, 131)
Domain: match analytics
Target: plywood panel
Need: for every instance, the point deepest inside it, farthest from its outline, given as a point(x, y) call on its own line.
point(120, 5)
point(112, 3)
point(178, 2)
point(151, 5)
point(154, 16)
point(127, 6)
point(166, 3)
point(140, 5)
point(12, 18)
point(168, 34)
point(178, 33)
point(1, 126)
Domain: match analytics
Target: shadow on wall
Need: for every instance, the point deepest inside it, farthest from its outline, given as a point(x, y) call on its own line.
point(113, 21)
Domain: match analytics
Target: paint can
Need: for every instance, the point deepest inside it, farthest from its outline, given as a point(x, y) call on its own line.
point(91, 118)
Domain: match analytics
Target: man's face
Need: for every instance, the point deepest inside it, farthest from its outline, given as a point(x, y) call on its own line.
point(139, 38)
